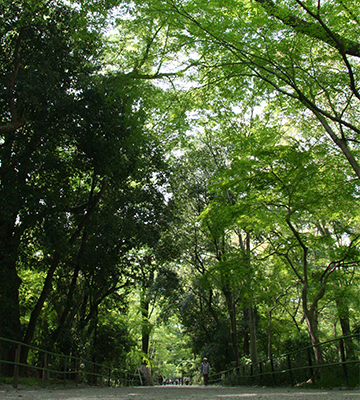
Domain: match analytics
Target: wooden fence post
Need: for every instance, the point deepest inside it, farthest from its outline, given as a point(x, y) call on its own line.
point(16, 367)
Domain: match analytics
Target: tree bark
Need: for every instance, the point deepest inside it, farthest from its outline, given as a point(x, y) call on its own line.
point(145, 329)
point(66, 315)
point(246, 344)
point(146, 373)
point(231, 306)
point(10, 231)
point(312, 329)
point(48, 281)
point(37, 309)
point(9, 306)
point(145, 339)
point(246, 248)
point(344, 317)
point(10, 234)
point(252, 329)
point(341, 143)
point(309, 312)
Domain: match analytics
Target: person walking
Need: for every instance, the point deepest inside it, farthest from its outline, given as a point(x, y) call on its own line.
point(204, 370)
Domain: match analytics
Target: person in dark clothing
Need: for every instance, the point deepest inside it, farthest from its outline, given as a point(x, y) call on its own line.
point(204, 370)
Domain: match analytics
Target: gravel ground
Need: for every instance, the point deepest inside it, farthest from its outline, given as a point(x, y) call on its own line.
point(174, 393)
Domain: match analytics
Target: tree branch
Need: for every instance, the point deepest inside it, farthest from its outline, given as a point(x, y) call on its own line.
point(315, 30)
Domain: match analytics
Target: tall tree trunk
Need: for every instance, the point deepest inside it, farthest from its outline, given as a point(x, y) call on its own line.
point(9, 295)
point(231, 306)
point(92, 331)
point(252, 329)
point(37, 309)
point(344, 317)
point(309, 312)
point(245, 246)
point(246, 333)
point(11, 202)
point(67, 316)
point(312, 329)
point(48, 280)
point(310, 315)
point(12, 178)
point(145, 329)
point(9, 313)
point(145, 338)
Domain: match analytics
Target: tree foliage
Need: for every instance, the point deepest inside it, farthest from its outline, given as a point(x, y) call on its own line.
point(165, 166)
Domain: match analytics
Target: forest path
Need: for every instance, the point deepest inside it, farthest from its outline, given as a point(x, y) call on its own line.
point(174, 393)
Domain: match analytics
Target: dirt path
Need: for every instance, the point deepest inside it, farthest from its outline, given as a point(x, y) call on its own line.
point(175, 393)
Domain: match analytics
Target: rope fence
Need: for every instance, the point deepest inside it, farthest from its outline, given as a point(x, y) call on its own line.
point(340, 364)
point(49, 366)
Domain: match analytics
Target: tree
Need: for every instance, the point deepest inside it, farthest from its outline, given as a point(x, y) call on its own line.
point(37, 92)
point(286, 191)
point(297, 54)
point(79, 137)
point(203, 311)
point(240, 55)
